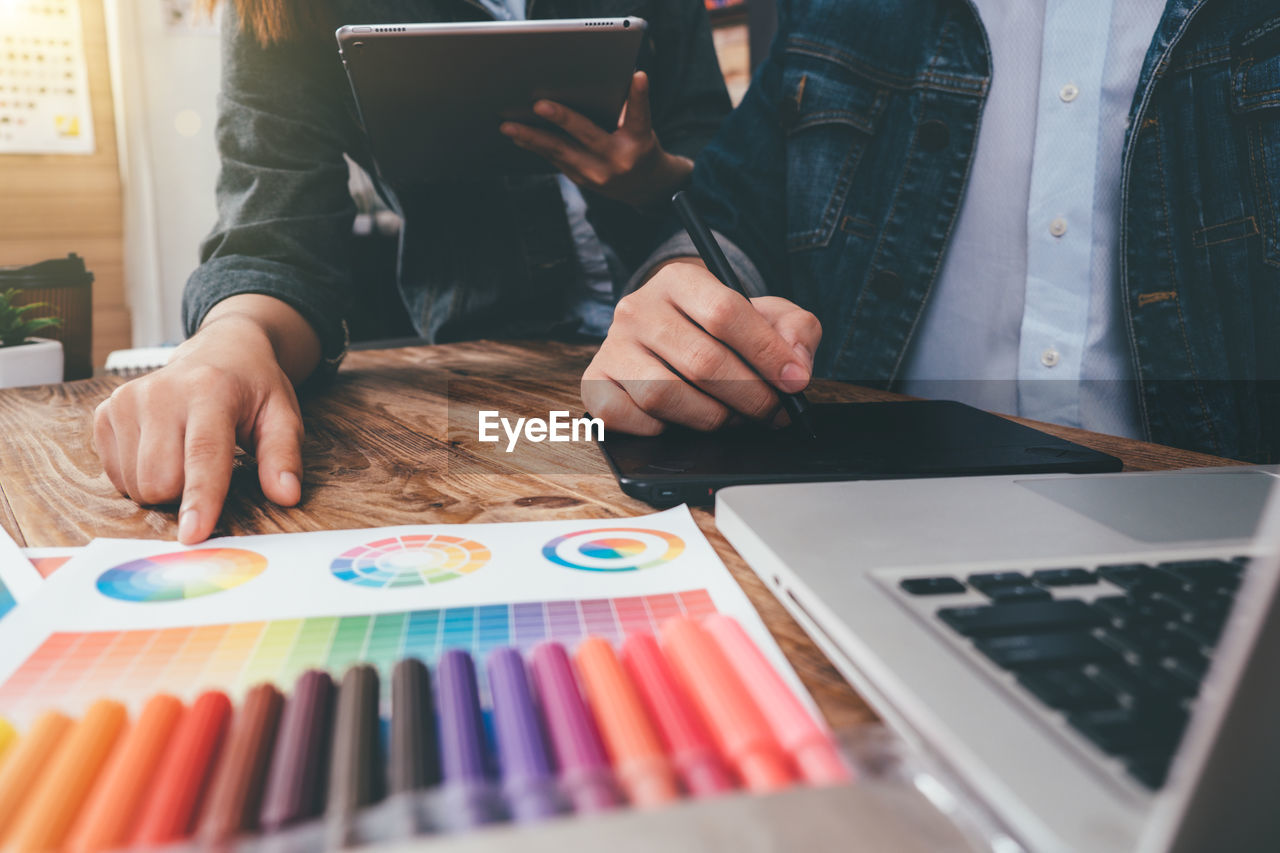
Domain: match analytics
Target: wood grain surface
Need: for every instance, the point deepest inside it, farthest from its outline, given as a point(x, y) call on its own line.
point(393, 441)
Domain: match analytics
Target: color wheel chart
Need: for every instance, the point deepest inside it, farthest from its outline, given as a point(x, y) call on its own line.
point(410, 561)
point(70, 670)
point(614, 549)
point(181, 575)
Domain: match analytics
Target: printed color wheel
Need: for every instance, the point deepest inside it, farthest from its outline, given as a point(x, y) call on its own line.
point(410, 561)
point(613, 549)
point(181, 575)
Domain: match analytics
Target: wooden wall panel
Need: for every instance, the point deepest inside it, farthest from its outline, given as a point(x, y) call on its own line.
point(51, 205)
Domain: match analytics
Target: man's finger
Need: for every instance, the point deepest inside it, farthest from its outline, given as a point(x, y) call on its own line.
point(160, 474)
point(124, 425)
point(104, 440)
point(606, 400)
point(797, 326)
point(731, 318)
point(209, 453)
point(278, 446)
point(710, 365)
point(662, 394)
point(636, 119)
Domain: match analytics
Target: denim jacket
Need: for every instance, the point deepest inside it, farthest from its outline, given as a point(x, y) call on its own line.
point(839, 179)
point(479, 258)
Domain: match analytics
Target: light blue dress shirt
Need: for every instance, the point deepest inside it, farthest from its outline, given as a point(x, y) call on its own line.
point(595, 274)
point(1029, 288)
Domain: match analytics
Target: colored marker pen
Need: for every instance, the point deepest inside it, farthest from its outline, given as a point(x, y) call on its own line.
point(810, 748)
point(641, 765)
point(469, 794)
point(528, 780)
point(178, 789)
point(355, 771)
point(112, 809)
point(701, 770)
point(25, 764)
point(65, 784)
point(8, 736)
point(584, 767)
point(736, 724)
point(300, 764)
point(414, 760)
point(235, 796)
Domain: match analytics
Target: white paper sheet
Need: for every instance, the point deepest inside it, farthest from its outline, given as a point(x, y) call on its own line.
point(289, 583)
point(44, 79)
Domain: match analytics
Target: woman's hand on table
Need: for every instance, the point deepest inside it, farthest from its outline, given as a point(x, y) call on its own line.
point(685, 349)
point(628, 165)
point(171, 435)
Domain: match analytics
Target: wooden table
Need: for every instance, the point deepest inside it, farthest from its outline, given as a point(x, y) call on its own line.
point(394, 442)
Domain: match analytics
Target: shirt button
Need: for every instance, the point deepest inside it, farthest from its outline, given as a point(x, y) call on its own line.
point(1058, 227)
point(1050, 357)
point(1069, 92)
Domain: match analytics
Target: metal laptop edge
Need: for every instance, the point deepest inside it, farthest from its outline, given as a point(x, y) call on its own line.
point(969, 727)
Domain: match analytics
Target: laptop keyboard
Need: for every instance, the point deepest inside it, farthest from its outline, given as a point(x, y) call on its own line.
point(1123, 668)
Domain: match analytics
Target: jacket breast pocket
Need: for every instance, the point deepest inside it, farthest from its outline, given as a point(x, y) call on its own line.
point(1255, 84)
point(829, 114)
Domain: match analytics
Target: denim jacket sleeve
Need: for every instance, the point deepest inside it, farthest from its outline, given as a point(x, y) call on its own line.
point(688, 95)
point(284, 210)
point(738, 187)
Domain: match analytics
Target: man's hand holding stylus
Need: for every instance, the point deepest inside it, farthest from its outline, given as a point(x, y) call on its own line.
point(685, 349)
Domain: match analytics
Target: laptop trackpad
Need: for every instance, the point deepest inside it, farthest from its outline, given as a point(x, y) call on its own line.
point(1165, 508)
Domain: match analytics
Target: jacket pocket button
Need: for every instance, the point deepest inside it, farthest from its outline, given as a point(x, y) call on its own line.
point(885, 281)
point(934, 135)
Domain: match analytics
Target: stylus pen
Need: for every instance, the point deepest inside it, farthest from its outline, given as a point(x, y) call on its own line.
point(713, 256)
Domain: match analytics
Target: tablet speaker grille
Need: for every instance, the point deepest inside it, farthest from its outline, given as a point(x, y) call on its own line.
point(389, 29)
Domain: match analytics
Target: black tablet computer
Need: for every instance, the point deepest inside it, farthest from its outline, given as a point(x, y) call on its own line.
point(855, 441)
point(431, 96)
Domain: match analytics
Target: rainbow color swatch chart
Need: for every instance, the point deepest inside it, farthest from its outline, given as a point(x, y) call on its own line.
point(133, 665)
point(129, 618)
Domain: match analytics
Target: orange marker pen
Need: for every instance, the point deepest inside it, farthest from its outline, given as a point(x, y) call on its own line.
point(642, 767)
point(66, 784)
point(113, 807)
point(795, 729)
point(173, 802)
point(730, 713)
point(25, 764)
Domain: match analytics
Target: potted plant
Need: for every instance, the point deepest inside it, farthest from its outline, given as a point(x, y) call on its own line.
point(26, 360)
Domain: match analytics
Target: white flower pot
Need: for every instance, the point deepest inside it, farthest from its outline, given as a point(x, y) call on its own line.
point(37, 362)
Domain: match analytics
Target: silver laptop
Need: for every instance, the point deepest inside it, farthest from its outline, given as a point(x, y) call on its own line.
point(1092, 660)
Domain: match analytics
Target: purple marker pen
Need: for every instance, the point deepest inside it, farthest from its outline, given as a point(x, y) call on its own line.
point(528, 780)
point(468, 793)
point(584, 766)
